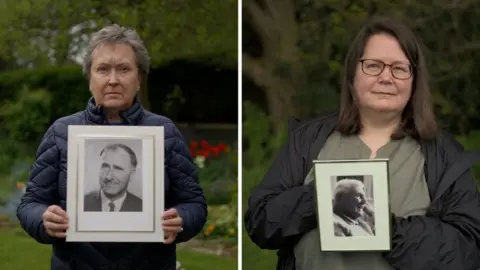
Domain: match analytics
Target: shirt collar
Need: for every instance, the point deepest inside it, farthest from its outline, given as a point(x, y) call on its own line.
point(118, 202)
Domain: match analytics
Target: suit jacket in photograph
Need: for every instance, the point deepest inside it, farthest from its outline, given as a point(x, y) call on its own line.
point(93, 203)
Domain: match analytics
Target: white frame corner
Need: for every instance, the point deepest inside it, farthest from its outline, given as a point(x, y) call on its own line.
point(154, 165)
point(378, 169)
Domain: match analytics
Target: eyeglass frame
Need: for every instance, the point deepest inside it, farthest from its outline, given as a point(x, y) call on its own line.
point(386, 65)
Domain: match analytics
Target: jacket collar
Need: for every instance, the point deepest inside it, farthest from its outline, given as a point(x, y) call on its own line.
point(130, 116)
point(445, 161)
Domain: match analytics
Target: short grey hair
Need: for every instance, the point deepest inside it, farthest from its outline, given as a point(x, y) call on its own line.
point(130, 152)
point(116, 34)
point(346, 185)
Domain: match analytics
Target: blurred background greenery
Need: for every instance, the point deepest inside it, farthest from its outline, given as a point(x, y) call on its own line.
point(293, 52)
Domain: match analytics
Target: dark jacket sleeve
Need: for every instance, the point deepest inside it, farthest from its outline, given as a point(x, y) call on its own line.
point(185, 193)
point(279, 210)
point(448, 242)
point(41, 189)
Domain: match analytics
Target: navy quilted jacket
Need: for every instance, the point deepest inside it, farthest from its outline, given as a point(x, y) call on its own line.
point(47, 186)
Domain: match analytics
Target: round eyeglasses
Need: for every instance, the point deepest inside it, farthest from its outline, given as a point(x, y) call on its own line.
point(399, 71)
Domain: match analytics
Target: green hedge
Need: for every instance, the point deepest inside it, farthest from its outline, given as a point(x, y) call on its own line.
point(67, 86)
point(33, 99)
point(175, 89)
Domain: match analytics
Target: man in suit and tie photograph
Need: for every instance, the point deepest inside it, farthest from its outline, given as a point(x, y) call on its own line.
point(118, 163)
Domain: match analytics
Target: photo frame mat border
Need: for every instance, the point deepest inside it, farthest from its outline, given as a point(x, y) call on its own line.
point(329, 242)
point(134, 217)
point(77, 133)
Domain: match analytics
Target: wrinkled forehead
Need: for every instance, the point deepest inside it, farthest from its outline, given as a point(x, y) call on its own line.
point(113, 54)
point(357, 189)
point(117, 157)
point(352, 190)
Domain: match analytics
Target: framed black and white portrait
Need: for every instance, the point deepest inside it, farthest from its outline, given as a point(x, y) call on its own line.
point(353, 205)
point(115, 190)
point(113, 175)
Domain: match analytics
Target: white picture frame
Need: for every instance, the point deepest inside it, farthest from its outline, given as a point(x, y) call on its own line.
point(138, 218)
point(338, 228)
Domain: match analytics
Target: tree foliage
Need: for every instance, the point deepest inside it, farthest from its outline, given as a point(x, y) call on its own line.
point(55, 31)
point(297, 47)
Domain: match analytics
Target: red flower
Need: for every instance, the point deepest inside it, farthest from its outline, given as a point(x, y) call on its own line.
point(192, 148)
point(193, 144)
point(214, 150)
point(222, 147)
point(203, 153)
point(206, 150)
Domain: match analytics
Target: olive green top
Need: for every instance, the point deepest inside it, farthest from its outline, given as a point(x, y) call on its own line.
point(408, 196)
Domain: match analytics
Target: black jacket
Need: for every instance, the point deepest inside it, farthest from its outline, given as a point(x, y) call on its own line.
point(281, 209)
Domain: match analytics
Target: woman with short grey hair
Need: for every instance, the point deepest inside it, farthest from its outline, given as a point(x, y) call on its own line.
point(116, 65)
point(114, 34)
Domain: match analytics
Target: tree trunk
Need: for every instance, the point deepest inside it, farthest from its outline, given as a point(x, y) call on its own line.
point(279, 91)
point(278, 71)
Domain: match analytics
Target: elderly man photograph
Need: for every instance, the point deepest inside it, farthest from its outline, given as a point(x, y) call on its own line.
point(349, 205)
point(117, 165)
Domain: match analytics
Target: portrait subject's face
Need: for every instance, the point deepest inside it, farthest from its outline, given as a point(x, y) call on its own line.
point(353, 202)
point(114, 77)
point(115, 172)
point(383, 92)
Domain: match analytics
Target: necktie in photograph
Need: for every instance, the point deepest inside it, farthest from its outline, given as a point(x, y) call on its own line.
point(112, 207)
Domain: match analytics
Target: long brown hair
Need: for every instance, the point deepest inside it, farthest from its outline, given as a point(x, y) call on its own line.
point(418, 119)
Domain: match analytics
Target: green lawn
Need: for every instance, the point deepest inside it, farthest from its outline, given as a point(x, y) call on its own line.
point(19, 252)
point(255, 258)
